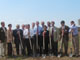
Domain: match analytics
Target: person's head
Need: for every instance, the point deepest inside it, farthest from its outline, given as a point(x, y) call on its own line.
point(62, 23)
point(33, 25)
point(37, 23)
point(17, 26)
point(9, 26)
point(48, 24)
point(3, 24)
point(23, 26)
point(72, 22)
point(52, 23)
point(45, 27)
point(42, 23)
point(28, 26)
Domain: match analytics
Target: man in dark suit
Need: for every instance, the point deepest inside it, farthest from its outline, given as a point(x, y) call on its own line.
point(3, 37)
point(23, 41)
point(64, 32)
point(18, 36)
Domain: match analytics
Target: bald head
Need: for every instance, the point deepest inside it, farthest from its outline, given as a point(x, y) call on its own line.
point(42, 23)
point(48, 24)
point(17, 26)
point(52, 23)
point(23, 26)
point(33, 25)
point(37, 23)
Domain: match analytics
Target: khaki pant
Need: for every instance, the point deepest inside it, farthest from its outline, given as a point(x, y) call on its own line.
point(75, 41)
point(2, 49)
point(64, 43)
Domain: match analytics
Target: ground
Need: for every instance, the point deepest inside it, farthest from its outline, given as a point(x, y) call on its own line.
point(47, 58)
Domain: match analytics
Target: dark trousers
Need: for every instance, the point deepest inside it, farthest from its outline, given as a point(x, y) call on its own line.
point(33, 45)
point(9, 49)
point(23, 50)
point(46, 46)
point(55, 47)
point(17, 48)
point(40, 41)
point(27, 44)
point(39, 49)
point(52, 45)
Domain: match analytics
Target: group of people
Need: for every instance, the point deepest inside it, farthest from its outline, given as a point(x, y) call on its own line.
point(38, 40)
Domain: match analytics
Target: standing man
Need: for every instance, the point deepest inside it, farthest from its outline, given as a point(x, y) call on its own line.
point(26, 35)
point(75, 38)
point(64, 33)
point(38, 30)
point(18, 36)
point(54, 32)
point(9, 39)
point(48, 28)
point(3, 38)
point(33, 39)
point(23, 41)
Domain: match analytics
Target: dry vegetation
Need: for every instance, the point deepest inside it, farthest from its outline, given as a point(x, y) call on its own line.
point(47, 58)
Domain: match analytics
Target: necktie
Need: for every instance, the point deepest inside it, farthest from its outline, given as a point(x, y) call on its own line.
point(4, 29)
point(52, 32)
point(37, 30)
point(29, 31)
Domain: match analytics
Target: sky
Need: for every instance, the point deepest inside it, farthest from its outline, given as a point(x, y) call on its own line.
point(28, 11)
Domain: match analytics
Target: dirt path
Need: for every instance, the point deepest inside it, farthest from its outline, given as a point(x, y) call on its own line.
point(40, 58)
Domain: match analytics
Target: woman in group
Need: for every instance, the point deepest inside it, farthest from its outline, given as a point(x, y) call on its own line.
point(45, 34)
point(9, 39)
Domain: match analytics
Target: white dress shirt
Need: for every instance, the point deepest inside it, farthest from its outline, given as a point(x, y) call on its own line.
point(25, 33)
point(32, 32)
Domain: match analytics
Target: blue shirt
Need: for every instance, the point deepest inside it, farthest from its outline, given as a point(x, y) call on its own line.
point(75, 29)
point(39, 30)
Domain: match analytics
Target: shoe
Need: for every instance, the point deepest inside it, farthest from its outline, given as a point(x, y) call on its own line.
point(77, 56)
point(74, 56)
point(66, 55)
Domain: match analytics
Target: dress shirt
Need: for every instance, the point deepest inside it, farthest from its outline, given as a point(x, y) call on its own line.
point(63, 27)
point(32, 32)
point(25, 33)
point(75, 29)
point(39, 30)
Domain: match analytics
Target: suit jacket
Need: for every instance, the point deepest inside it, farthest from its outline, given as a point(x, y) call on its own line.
point(3, 34)
point(66, 32)
point(56, 33)
point(9, 36)
point(16, 36)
